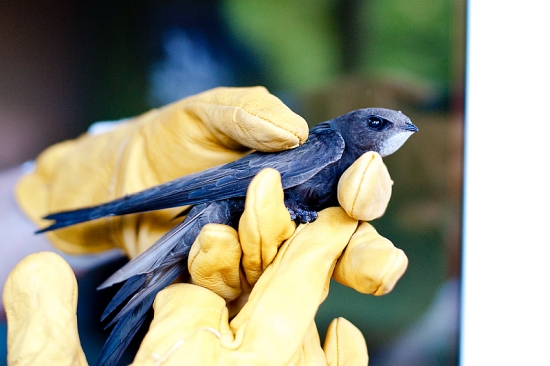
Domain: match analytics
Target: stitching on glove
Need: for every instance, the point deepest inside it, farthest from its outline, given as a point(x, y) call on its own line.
point(210, 329)
point(161, 359)
point(356, 196)
point(255, 210)
point(382, 281)
point(117, 168)
point(359, 188)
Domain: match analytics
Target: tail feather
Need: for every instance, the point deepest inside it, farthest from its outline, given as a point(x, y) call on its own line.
point(130, 287)
point(154, 283)
point(68, 218)
point(127, 322)
point(182, 234)
point(123, 332)
point(152, 272)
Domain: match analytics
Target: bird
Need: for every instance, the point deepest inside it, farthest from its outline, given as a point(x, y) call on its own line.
point(309, 177)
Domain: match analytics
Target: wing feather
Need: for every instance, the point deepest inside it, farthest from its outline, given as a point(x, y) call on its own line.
point(324, 146)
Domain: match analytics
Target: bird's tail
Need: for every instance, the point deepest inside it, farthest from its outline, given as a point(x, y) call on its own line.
point(142, 290)
point(147, 200)
point(68, 218)
point(153, 270)
point(143, 278)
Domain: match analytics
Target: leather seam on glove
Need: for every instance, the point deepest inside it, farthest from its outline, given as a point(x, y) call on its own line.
point(352, 213)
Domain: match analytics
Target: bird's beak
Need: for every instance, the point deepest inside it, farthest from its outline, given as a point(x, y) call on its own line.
point(410, 127)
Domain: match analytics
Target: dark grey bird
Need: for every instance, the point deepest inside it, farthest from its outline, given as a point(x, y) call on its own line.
point(309, 175)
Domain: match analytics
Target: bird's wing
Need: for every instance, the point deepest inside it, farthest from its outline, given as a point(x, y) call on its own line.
point(177, 242)
point(324, 146)
point(154, 255)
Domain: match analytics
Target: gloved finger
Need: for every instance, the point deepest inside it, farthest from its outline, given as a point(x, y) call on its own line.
point(186, 329)
point(214, 261)
point(215, 257)
point(283, 303)
point(212, 128)
point(310, 353)
point(364, 189)
point(265, 223)
point(250, 117)
point(344, 344)
point(40, 298)
point(370, 264)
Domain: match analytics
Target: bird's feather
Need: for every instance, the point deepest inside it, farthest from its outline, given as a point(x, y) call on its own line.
point(324, 146)
point(155, 254)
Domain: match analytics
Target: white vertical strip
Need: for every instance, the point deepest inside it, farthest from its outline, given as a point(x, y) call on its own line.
point(506, 298)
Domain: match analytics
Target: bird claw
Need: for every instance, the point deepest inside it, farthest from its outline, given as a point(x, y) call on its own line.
point(303, 216)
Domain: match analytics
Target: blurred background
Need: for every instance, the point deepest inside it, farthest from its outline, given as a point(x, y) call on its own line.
point(64, 65)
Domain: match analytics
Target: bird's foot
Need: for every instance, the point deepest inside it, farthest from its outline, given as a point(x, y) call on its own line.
point(302, 215)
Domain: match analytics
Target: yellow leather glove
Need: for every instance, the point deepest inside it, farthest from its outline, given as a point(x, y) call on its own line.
point(40, 298)
point(276, 325)
point(196, 133)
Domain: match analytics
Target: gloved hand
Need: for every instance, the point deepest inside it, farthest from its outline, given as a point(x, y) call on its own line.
point(191, 324)
point(230, 263)
point(275, 326)
point(196, 133)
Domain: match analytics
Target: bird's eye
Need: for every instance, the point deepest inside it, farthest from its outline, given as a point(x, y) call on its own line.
point(375, 122)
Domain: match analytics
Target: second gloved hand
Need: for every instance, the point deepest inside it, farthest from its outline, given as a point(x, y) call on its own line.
point(191, 324)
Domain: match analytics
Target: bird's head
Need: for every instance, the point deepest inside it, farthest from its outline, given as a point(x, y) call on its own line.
point(374, 129)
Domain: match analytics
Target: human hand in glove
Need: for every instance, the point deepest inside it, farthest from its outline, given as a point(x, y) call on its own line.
point(229, 262)
point(187, 136)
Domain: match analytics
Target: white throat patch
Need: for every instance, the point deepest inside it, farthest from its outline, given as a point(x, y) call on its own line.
point(393, 143)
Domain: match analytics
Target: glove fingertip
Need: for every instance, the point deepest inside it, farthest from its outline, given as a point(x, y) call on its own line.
point(272, 129)
point(344, 344)
point(371, 264)
point(40, 297)
point(364, 190)
point(395, 270)
point(40, 274)
point(214, 261)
